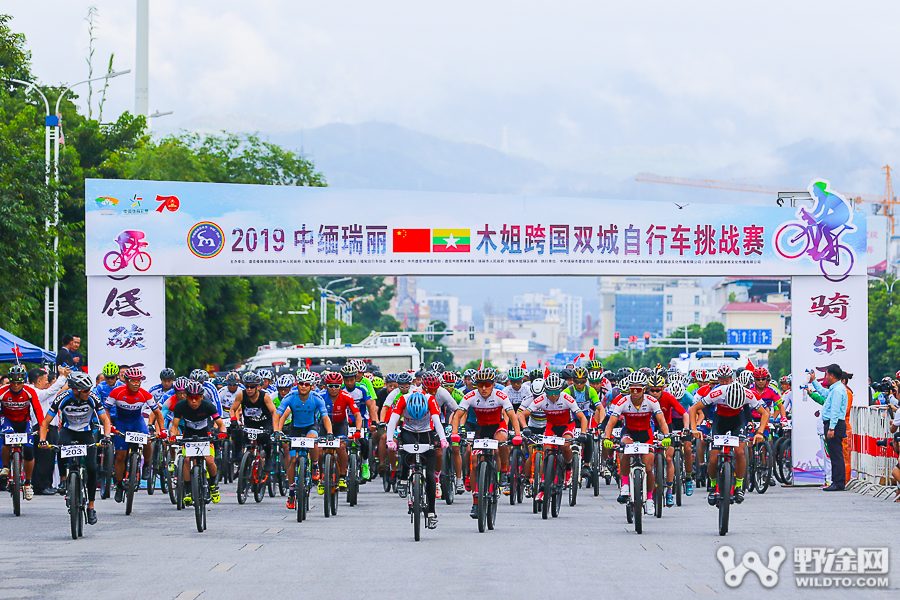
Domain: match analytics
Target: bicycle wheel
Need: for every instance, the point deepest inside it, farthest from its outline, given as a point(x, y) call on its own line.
point(386, 478)
point(226, 473)
point(547, 484)
point(678, 482)
point(282, 475)
point(659, 496)
point(537, 470)
point(244, 473)
point(595, 469)
point(776, 454)
point(417, 504)
point(131, 486)
point(73, 491)
point(724, 483)
point(141, 261)
point(198, 496)
point(840, 267)
point(763, 459)
point(792, 240)
point(113, 261)
point(787, 464)
point(335, 490)
point(178, 476)
point(482, 486)
point(513, 480)
point(300, 491)
point(16, 488)
point(169, 478)
point(493, 497)
point(352, 479)
point(326, 483)
point(576, 478)
point(154, 457)
point(637, 481)
point(108, 463)
point(750, 473)
point(163, 469)
point(82, 506)
point(257, 473)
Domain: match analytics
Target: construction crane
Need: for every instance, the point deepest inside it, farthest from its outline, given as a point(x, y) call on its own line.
point(884, 205)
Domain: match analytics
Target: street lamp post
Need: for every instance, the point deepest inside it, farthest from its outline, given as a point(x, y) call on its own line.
point(323, 306)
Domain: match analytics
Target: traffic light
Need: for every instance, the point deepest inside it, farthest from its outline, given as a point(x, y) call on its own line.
point(616, 338)
point(646, 336)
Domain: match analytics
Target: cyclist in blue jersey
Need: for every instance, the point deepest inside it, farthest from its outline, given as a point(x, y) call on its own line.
point(109, 383)
point(166, 379)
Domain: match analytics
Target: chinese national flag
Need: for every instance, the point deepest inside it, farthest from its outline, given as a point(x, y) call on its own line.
point(546, 372)
point(749, 366)
point(16, 351)
point(591, 354)
point(412, 240)
point(523, 364)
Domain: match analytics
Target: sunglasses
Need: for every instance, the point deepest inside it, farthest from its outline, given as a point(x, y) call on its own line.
point(334, 385)
point(656, 389)
point(251, 387)
point(304, 383)
point(549, 393)
point(759, 378)
point(581, 381)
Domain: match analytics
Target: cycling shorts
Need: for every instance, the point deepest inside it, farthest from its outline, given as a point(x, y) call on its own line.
point(340, 428)
point(7, 426)
point(560, 430)
point(138, 425)
point(304, 431)
point(728, 425)
point(642, 436)
point(489, 431)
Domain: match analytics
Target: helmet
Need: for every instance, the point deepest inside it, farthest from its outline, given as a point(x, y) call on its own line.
point(285, 381)
point(334, 378)
point(431, 381)
point(711, 375)
point(199, 375)
point(637, 379)
point(349, 370)
point(251, 378)
point(595, 375)
point(18, 374)
point(266, 374)
point(448, 378)
point(167, 373)
point(134, 373)
point(516, 374)
point(761, 373)
point(646, 371)
point(485, 375)
point(359, 363)
point(417, 405)
point(537, 386)
point(233, 378)
point(469, 373)
point(554, 383)
point(745, 377)
point(79, 380)
point(307, 377)
point(404, 378)
point(378, 382)
point(735, 395)
point(622, 374)
point(535, 374)
point(181, 384)
point(656, 381)
point(595, 365)
point(194, 388)
point(437, 366)
point(391, 377)
point(724, 371)
point(566, 373)
point(786, 380)
point(579, 373)
point(676, 388)
point(110, 369)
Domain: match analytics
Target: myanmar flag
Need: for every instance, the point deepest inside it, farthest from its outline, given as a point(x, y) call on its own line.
point(412, 240)
point(450, 240)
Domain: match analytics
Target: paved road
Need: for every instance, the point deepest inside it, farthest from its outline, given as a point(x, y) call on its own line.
point(259, 550)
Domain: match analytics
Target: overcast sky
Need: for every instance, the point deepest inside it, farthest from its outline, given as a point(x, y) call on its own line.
point(612, 87)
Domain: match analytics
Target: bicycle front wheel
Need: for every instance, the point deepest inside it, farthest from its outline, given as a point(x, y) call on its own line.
point(73, 491)
point(352, 480)
point(16, 482)
point(141, 261)
point(637, 481)
point(134, 477)
point(198, 497)
point(576, 478)
point(724, 483)
point(762, 456)
point(300, 492)
point(659, 498)
point(417, 505)
point(327, 469)
point(154, 457)
point(244, 474)
point(547, 487)
point(483, 487)
point(678, 460)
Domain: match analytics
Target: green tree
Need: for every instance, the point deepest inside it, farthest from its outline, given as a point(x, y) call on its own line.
point(444, 356)
point(473, 364)
point(780, 360)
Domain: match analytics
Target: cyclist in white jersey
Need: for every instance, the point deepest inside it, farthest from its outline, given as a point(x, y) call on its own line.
point(166, 379)
point(431, 384)
point(518, 389)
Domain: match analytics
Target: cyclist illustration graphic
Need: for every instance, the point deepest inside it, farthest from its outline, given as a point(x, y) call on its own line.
point(130, 243)
point(818, 233)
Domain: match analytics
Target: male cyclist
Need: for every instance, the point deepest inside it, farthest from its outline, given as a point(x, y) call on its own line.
point(448, 382)
point(209, 389)
point(447, 405)
point(195, 415)
point(518, 389)
point(366, 404)
point(490, 405)
point(166, 379)
point(676, 420)
point(588, 399)
point(254, 408)
point(128, 402)
point(77, 408)
point(109, 383)
point(342, 402)
point(20, 411)
point(404, 384)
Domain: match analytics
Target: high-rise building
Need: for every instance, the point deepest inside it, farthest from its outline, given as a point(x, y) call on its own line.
point(535, 307)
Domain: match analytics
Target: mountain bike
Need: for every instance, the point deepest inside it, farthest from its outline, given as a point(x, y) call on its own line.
point(447, 479)
point(106, 465)
point(576, 472)
point(536, 451)
point(300, 447)
point(76, 485)
point(636, 506)
point(354, 467)
point(278, 476)
point(252, 474)
point(679, 482)
point(725, 445)
point(759, 463)
point(196, 449)
point(487, 485)
point(594, 467)
point(132, 480)
point(330, 478)
point(417, 501)
point(16, 483)
point(659, 473)
point(781, 451)
point(157, 451)
point(553, 475)
point(516, 475)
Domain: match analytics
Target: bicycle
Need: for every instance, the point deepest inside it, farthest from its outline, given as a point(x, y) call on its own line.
point(794, 239)
point(252, 473)
point(302, 476)
point(781, 450)
point(158, 448)
point(16, 483)
point(196, 449)
point(106, 464)
point(759, 464)
point(552, 475)
point(516, 475)
point(330, 477)
point(536, 452)
point(487, 486)
point(659, 473)
point(116, 260)
point(636, 506)
point(354, 468)
point(725, 444)
point(594, 468)
point(448, 475)
point(417, 502)
point(679, 482)
point(277, 476)
point(576, 472)
point(132, 479)
point(76, 485)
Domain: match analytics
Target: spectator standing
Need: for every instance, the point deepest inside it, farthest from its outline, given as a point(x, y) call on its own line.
point(45, 458)
point(833, 420)
point(68, 354)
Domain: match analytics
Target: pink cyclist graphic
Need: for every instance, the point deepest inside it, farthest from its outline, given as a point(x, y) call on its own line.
point(818, 233)
point(130, 243)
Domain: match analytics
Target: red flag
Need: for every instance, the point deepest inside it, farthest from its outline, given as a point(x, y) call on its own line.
point(16, 351)
point(749, 366)
point(308, 364)
point(546, 372)
point(579, 357)
point(481, 365)
point(523, 364)
point(591, 354)
point(412, 240)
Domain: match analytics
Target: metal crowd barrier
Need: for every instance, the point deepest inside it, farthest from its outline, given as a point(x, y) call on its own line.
point(871, 463)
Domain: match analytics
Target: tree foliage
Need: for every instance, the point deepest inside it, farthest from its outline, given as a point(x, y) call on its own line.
point(712, 333)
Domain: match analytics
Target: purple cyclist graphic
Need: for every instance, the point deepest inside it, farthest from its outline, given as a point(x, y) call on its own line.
point(818, 233)
point(130, 243)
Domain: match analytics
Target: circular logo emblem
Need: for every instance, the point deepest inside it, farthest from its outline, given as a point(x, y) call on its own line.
point(206, 239)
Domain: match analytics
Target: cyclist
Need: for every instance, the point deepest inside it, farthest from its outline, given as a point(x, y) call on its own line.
point(128, 402)
point(686, 399)
point(228, 393)
point(404, 384)
point(637, 409)
point(559, 407)
point(589, 400)
point(448, 382)
point(431, 386)
point(209, 389)
point(341, 402)
point(254, 408)
point(366, 404)
point(490, 405)
point(467, 380)
point(77, 408)
point(518, 389)
point(676, 420)
point(729, 400)
point(20, 411)
point(268, 381)
point(307, 413)
point(196, 415)
point(109, 383)
point(787, 393)
point(166, 379)
point(769, 396)
point(421, 425)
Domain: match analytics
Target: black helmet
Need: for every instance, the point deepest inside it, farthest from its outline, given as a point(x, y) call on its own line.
point(195, 388)
point(349, 370)
point(18, 374)
point(251, 378)
point(167, 373)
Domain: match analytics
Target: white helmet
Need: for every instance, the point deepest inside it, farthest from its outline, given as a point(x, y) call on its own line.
point(735, 395)
point(307, 377)
point(676, 388)
point(637, 379)
point(537, 387)
point(554, 383)
point(746, 378)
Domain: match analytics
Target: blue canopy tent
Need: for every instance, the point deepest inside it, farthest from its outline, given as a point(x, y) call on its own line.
point(30, 352)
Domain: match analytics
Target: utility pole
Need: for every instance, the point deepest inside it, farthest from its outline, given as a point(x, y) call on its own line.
point(142, 61)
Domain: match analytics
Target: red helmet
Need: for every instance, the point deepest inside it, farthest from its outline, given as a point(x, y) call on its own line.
point(448, 377)
point(761, 373)
point(334, 377)
point(430, 381)
point(134, 373)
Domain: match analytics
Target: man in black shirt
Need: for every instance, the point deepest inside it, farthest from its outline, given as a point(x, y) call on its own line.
point(196, 415)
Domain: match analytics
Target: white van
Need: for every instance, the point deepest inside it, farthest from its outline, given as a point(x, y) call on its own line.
point(389, 353)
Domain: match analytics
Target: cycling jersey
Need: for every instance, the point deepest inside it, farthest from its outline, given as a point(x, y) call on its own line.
point(156, 391)
point(671, 408)
point(445, 402)
point(361, 396)
point(587, 399)
point(770, 399)
point(212, 394)
point(127, 406)
point(537, 420)
point(195, 421)
point(304, 412)
point(24, 407)
point(341, 405)
point(717, 398)
point(226, 397)
point(74, 413)
point(256, 414)
point(559, 411)
point(516, 397)
point(417, 425)
point(637, 418)
point(488, 411)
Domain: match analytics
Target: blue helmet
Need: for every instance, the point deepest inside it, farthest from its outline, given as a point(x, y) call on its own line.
point(417, 405)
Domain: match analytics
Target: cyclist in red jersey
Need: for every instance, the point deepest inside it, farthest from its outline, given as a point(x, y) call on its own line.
point(342, 404)
point(677, 420)
point(764, 392)
point(20, 411)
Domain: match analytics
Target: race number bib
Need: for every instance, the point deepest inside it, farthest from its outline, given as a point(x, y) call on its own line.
point(197, 449)
point(726, 440)
point(72, 451)
point(416, 448)
point(331, 444)
point(16, 438)
point(486, 444)
point(136, 437)
point(552, 440)
point(637, 448)
point(303, 442)
point(252, 433)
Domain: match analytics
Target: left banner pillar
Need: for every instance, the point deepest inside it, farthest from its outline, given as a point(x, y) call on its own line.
point(127, 323)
